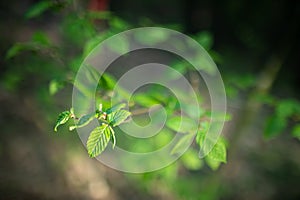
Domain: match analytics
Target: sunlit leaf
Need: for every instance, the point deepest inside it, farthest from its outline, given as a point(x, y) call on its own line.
point(55, 86)
point(109, 81)
point(83, 121)
point(115, 108)
point(213, 164)
point(118, 117)
point(218, 152)
point(191, 160)
point(144, 100)
point(98, 140)
point(62, 119)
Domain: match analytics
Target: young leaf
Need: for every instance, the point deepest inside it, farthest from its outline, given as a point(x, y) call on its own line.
point(296, 131)
point(98, 140)
point(144, 100)
point(83, 121)
point(62, 119)
point(118, 117)
point(213, 164)
point(55, 86)
point(191, 160)
point(218, 153)
point(115, 108)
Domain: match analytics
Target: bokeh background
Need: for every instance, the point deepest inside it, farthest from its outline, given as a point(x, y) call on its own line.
point(255, 45)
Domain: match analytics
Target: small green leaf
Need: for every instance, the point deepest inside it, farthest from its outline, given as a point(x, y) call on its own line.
point(181, 124)
point(218, 153)
point(144, 100)
point(62, 119)
point(205, 38)
point(55, 86)
point(213, 164)
point(118, 117)
point(200, 137)
point(98, 140)
point(115, 108)
point(191, 160)
point(109, 80)
point(296, 131)
point(83, 121)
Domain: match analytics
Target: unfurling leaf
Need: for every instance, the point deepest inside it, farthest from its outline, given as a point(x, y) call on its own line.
point(118, 117)
point(62, 119)
point(83, 121)
point(115, 108)
point(98, 140)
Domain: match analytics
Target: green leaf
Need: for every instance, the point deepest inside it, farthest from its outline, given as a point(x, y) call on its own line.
point(205, 38)
point(62, 119)
point(55, 86)
point(218, 153)
point(296, 131)
point(83, 121)
point(286, 108)
point(115, 108)
point(144, 100)
point(201, 133)
point(274, 126)
point(191, 160)
point(98, 140)
point(213, 164)
point(41, 38)
point(109, 80)
point(38, 8)
point(181, 124)
point(118, 117)
point(16, 49)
